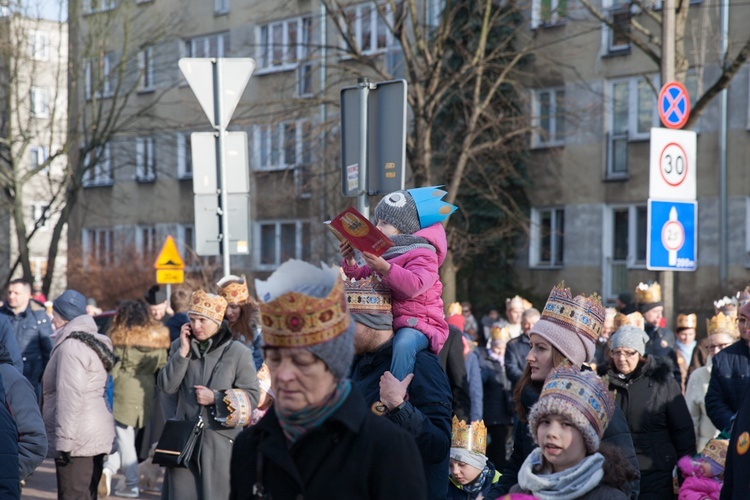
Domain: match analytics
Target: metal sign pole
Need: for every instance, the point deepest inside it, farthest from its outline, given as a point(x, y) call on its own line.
point(221, 173)
point(363, 200)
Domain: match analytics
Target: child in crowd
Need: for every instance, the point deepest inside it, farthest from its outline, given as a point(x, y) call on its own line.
point(411, 219)
point(472, 475)
point(567, 423)
point(704, 476)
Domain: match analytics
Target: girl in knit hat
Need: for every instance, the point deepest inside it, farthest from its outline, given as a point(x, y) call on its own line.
point(411, 219)
point(704, 475)
point(567, 423)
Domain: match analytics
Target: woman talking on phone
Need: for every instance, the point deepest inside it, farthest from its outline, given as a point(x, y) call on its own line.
point(203, 361)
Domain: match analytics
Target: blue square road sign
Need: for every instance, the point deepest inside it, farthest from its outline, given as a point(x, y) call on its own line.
point(672, 236)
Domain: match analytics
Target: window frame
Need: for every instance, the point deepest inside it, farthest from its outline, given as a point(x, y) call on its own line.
point(33, 151)
point(145, 159)
point(104, 6)
point(290, 59)
point(184, 155)
point(108, 86)
point(280, 131)
point(557, 238)
point(537, 141)
point(101, 174)
point(38, 209)
point(91, 250)
point(556, 19)
point(34, 37)
point(146, 69)
point(223, 45)
point(35, 94)
point(632, 260)
point(221, 7)
point(374, 19)
point(299, 250)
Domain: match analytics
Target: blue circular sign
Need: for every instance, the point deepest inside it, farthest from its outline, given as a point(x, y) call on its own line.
point(674, 105)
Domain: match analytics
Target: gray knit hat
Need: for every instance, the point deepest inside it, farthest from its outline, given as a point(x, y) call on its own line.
point(630, 337)
point(400, 211)
point(302, 305)
point(70, 304)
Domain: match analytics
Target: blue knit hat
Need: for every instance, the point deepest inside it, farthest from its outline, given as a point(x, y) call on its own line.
point(70, 304)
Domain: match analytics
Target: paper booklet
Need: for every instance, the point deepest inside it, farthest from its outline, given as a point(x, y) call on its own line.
point(352, 226)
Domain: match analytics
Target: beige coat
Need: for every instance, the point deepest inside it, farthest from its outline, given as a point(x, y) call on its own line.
point(74, 408)
point(695, 395)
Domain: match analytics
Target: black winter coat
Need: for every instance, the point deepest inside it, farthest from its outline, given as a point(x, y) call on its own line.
point(452, 361)
point(33, 330)
point(515, 358)
point(616, 433)
point(10, 483)
point(353, 454)
point(498, 400)
point(659, 422)
point(736, 477)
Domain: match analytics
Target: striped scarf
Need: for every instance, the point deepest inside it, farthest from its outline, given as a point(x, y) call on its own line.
point(295, 424)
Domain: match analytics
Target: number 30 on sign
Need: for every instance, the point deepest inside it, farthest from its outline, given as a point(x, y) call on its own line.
point(672, 165)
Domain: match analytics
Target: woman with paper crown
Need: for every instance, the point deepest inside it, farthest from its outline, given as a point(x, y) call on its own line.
point(203, 363)
point(566, 333)
point(472, 475)
point(567, 423)
point(411, 219)
point(722, 332)
point(657, 414)
point(319, 439)
point(242, 314)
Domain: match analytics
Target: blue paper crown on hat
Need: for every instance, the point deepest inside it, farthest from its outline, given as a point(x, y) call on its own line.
point(431, 208)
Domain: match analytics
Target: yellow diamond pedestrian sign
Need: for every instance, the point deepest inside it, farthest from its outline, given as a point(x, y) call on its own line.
point(169, 265)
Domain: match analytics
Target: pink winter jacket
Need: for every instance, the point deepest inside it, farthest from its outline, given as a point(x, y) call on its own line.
point(695, 486)
point(416, 287)
point(73, 402)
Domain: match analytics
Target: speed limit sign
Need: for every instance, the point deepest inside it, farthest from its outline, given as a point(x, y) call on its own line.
point(672, 165)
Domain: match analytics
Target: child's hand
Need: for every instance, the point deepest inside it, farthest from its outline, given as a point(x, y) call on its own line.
point(378, 264)
point(347, 252)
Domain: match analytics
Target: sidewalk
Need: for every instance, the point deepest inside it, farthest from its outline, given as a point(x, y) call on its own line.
point(42, 484)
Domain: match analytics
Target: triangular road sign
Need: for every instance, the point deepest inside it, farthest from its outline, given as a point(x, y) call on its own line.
point(235, 73)
point(169, 257)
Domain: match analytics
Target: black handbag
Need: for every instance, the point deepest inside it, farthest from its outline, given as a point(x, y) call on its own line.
point(181, 439)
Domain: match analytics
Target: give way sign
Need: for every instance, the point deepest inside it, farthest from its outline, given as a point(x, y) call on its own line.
point(672, 165)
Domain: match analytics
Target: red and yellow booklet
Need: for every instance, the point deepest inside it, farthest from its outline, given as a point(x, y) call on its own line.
point(352, 226)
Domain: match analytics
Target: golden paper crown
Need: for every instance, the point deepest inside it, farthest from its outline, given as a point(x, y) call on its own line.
point(633, 319)
point(687, 321)
point(648, 294)
point(234, 289)
point(455, 309)
point(469, 437)
point(368, 296)
point(743, 297)
point(208, 305)
point(298, 320)
point(500, 333)
point(722, 323)
point(724, 304)
point(581, 314)
point(517, 301)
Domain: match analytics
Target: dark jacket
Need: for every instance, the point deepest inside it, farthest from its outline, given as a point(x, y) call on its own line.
point(353, 454)
point(175, 324)
point(616, 433)
point(426, 414)
point(476, 392)
point(662, 345)
point(498, 400)
point(515, 358)
point(33, 330)
point(8, 339)
point(489, 490)
point(736, 480)
point(659, 421)
point(10, 484)
point(22, 401)
point(452, 361)
point(729, 383)
point(601, 492)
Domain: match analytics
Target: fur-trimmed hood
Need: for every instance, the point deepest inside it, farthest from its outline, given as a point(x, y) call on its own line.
point(152, 337)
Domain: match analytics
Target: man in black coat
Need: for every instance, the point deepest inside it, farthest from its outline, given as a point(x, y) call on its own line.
point(452, 361)
point(518, 348)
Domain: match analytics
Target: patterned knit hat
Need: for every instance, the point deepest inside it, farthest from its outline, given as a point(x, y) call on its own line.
point(233, 289)
point(207, 305)
point(369, 302)
point(582, 397)
point(414, 209)
point(630, 337)
point(715, 453)
point(571, 324)
point(302, 305)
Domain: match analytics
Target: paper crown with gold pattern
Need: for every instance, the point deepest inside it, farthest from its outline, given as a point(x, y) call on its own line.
point(233, 408)
point(722, 323)
point(234, 289)
point(367, 296)
point(455, 309)
point(726, 305)
point(743, 297)
point(633, 319)
point(517, 302)
point(469, 437)
point(500, 333)
point(571, 324)
point(687, 321)
point(208, 305)
point(648, 293)
point(716, 452)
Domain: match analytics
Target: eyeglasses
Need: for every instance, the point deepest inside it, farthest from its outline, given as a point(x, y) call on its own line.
point(714, 347)
point(624, 354)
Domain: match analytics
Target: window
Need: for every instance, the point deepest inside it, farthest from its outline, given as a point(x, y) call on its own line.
point(303, 176)
point(184, 156)
point(37, 156)
point(146, 69)
point(547, 237)
point(98, 163)
point(145, 162)
point(38, 45)
point(434, 12)
point(39, 102)
point(221, 6)
point(632, 114)
point(626, 234)
point(146, 241)
point(284, 44)
point(186, 243)
point(93, 6)
point(368, 28)
point(281, 241)
point(101, 76)
point(548, 12)
point(281, 146)
point(40, 214)
point(617, 39)
point(98, 247)
point(216, 45)
point(304, 80)
point(549, 117)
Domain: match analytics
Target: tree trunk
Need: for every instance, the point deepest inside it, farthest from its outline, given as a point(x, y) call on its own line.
point(448, 278)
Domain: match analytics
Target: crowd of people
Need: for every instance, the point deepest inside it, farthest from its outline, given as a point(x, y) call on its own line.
point(358, 382)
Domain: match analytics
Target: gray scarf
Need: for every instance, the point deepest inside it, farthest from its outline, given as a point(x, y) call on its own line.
point(566, 485)
point(403, 243)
